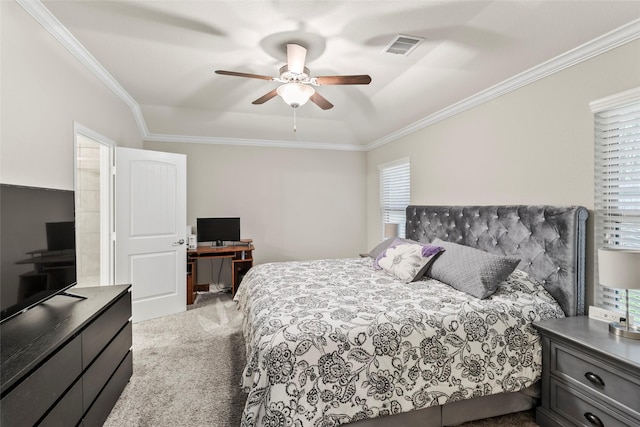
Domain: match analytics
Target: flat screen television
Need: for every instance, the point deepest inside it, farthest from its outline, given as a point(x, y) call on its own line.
point(217, 230)
point(37, 246)
point(61, 235)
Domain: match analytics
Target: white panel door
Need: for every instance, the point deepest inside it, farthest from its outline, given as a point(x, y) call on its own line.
point(150, 226)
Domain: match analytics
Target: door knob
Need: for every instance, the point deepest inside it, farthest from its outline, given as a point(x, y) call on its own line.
point(179, 242)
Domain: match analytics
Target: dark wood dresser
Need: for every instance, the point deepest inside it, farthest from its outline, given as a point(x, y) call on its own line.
point(590, 377)
point(66, 361)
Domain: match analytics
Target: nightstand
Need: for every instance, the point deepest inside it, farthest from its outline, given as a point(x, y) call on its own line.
point(589, 376)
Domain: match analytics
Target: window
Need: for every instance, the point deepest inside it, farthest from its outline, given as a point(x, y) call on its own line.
point(395, 186)
point(617, 186)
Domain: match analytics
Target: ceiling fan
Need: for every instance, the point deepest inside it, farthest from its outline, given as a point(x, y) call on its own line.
point(297, 84)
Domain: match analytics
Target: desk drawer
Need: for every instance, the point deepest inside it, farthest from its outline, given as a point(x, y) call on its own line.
point(620, 386)
point(583, 410)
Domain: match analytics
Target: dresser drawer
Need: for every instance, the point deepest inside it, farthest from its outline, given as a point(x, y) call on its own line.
point(105, 327)
point(33, 397)
point(105, 365)
point(582, 410)
point(67, 412)
point(99, 411)
point(620, 386)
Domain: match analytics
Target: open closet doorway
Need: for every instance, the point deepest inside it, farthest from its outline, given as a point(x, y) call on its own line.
point(93, 207)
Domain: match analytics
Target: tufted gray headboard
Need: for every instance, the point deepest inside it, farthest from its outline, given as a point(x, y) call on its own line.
point(549, 240)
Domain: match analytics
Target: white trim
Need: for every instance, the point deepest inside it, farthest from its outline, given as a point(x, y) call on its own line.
point(107, 220)
point(90, 133)
point(615, 101)
point(604, 43)
point(252, 142)
point(397, 162)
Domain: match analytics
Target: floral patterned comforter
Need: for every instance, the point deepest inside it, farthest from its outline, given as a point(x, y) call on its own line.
point(334, 341)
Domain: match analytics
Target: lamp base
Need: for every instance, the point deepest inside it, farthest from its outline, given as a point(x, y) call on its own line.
point(620, 329)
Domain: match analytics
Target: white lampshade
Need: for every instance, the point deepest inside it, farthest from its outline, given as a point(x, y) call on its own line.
point(619, 268)
point(295, 94)
point(390, 230)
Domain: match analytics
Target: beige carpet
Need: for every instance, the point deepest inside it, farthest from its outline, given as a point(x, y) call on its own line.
point(187, 367)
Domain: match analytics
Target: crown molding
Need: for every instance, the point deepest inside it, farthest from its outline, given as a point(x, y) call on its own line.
point(604, 43)
point(45, 18)
point(617, 100)
point(611, 40)
point(252, 142)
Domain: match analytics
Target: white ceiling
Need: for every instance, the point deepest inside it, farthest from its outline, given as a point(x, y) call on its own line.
point(164, 53)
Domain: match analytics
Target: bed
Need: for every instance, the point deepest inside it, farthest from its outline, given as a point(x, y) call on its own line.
point(351, 341)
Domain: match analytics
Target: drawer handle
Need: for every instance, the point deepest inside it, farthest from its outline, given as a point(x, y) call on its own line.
point(594, 379)
point(593, 419)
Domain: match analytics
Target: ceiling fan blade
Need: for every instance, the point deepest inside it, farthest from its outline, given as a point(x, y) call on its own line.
point(236, 74)
point(320, 101)
point(362, 79)
point(296, 56)
point(264, 98)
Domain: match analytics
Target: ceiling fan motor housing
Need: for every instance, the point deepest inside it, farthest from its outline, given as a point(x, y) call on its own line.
point(291, 77)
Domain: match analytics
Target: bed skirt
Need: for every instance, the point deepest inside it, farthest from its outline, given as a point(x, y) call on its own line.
point(456, 413)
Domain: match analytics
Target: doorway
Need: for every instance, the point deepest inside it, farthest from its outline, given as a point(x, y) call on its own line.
point(93, 207)
point(149, 192)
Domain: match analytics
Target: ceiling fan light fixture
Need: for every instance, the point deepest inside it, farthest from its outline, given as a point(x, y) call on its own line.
point(295, 94)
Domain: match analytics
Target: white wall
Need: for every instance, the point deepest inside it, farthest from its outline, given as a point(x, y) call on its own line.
point(295, 204)
point(531, 146)
point(44, 90)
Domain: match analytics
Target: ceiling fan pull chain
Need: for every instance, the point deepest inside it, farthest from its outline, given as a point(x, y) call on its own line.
point(294, 119)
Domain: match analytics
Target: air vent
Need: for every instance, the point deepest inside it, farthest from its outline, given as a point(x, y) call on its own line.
point(403, 45)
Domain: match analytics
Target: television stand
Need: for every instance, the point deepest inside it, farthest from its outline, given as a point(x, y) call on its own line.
point(65, 363)
point(70, 294)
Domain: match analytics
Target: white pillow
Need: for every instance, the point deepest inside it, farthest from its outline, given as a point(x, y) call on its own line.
point(407, 261)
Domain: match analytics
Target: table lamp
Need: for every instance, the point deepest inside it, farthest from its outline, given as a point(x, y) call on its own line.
point(390, 230)
point(620, 269)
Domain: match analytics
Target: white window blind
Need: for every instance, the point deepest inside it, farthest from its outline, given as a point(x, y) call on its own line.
point(395, 192)
point(617, 186)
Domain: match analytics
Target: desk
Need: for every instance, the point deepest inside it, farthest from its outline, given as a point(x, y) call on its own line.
point(241, 256)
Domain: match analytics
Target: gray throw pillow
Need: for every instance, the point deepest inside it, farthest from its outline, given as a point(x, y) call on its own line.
point(470, 270)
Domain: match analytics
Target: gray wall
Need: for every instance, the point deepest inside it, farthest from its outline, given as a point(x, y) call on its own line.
point(44, 90)
point(531, 146)
point(294, 203)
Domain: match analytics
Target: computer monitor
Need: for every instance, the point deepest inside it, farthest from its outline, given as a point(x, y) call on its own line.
point(218, 230)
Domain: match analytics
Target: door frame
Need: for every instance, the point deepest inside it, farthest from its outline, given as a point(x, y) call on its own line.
point(107, 220)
